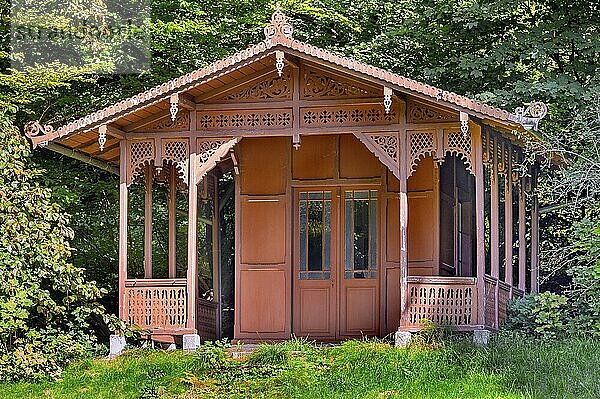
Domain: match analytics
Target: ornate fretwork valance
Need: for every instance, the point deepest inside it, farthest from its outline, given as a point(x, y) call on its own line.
point(437, 143)
point(141, 152)
point(157, 152)
point(245, 120)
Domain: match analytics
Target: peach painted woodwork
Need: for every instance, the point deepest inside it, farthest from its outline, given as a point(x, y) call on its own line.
point(402, 163)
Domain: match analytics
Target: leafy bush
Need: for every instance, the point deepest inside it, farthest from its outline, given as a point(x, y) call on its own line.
point(46, 304)
point(545, 315)
point(211, 354)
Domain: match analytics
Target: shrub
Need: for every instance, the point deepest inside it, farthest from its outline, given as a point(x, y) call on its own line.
point(545, 315)
point(46, 304)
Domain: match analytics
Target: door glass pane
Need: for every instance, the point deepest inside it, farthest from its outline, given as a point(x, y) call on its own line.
point(360, 234)
point(315, 235)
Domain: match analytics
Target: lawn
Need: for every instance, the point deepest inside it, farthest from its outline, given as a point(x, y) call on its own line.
point(508, 368)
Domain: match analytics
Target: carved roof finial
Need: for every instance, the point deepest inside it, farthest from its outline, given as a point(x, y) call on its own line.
point(279, 25)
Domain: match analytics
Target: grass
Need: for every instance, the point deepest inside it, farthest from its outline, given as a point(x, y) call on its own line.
point(511, 367)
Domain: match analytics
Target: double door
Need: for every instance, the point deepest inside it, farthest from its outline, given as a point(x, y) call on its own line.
point(336, 276)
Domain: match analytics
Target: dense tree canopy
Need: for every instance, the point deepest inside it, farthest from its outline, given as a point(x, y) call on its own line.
point(504, 52)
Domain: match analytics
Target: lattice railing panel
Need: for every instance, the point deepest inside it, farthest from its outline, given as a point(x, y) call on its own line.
point(156, 307)
point(207, 319)
point(490, 301)
point(444, 304)
point(503, 298)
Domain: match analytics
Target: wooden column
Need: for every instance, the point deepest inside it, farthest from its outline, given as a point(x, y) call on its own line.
point(192, 269)
point(172, 221)
point(508, 219)
point(148, 177)
point(403, 211)
point(216, 252)
point(522, 238)
point(494, 224)
point(534, 236)
point(475, 130)
point(122, 226)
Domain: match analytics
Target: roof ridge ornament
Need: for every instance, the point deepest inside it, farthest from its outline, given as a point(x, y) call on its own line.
point(279, 25)
point(530, 117)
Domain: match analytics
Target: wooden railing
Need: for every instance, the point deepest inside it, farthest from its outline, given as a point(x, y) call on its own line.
point(207, 320)
point(448, 301)
point(156, 304)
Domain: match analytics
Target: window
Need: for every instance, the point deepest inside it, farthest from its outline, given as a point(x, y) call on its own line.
point(315, 235)
point(360, 234)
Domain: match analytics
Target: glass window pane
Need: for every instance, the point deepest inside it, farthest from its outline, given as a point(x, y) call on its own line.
point(349, 236)
point(315, 235)
point(327, 233)
point(302, 233)
point(361, 235)
point(373, 234)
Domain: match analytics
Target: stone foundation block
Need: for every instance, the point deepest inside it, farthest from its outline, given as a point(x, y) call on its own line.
point(481, 337)
point(191, 342)
point(402, 339)
point(117, 345)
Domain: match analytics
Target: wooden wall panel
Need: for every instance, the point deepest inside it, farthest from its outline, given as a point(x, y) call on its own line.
point(316, 158)
point(362, 312)
point(421, 228)
point(264, 165)
point(264, 296)
point(356, 161)
point(392, 304)
point(393, 230)
point(422, 178)
point(263, 231)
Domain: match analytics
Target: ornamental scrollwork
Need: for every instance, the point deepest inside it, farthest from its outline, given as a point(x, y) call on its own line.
point(35, 128)
point(319, 85)
point(181, 122)
point(279, 25)
point(277, 87)
point(422, 113)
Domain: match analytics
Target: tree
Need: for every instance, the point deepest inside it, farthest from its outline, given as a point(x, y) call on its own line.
point(45, 302)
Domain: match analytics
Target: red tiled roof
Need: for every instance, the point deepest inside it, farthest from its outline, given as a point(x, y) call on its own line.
point(278, 37)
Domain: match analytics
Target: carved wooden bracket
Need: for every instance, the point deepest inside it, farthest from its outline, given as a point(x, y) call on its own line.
point(385, 146)
point(210, 152)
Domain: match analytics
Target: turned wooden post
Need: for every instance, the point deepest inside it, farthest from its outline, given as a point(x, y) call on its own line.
point(508, 220)
point(172, 221)
point(534, 236)
point(522, 238)
point(475, 130)
point(122, 225)
point(494, 224)
point(192, 270)
point(148, 180)
point(403, 211)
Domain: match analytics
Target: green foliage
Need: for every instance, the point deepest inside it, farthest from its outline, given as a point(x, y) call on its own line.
point(512, 366)
point(45, 302)
point(211, 354)
point(545, 315)
point(275, 354)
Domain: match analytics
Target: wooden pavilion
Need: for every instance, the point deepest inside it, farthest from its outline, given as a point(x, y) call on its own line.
point(364, 201)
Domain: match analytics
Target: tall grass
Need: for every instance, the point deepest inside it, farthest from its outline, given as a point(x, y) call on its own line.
point(511, 367)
